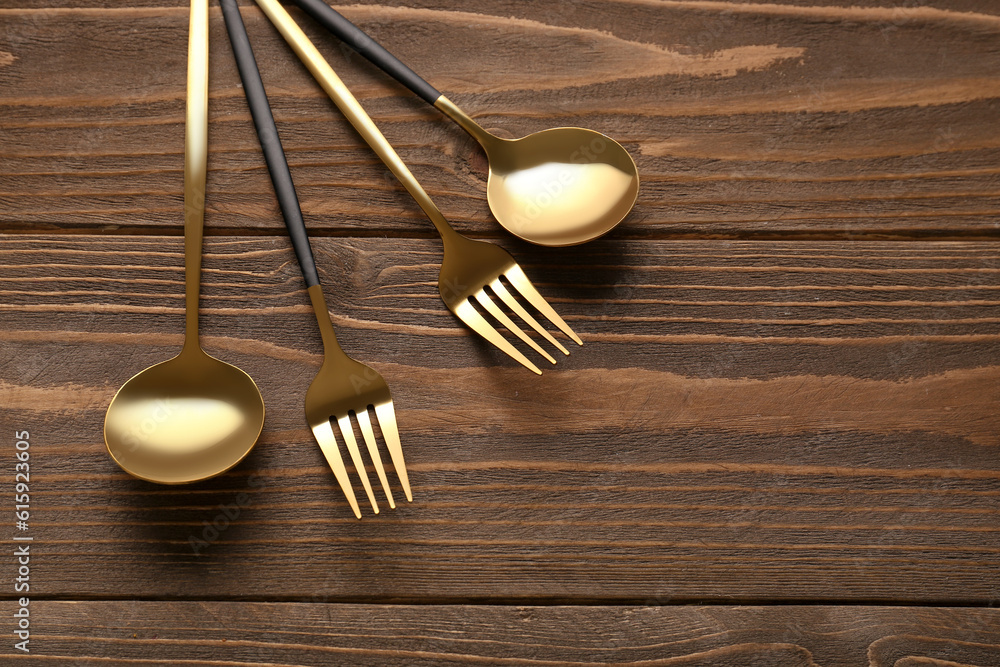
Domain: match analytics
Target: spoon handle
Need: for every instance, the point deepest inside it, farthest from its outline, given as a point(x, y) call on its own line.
point(270, 142)
point(354, 112)
point(195, 163)
point(359, 40)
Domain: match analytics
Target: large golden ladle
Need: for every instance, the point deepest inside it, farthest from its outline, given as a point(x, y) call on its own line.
point(193, 416)
point(557, 187)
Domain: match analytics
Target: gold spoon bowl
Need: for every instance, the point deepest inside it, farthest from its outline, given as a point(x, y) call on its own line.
point(560, 187)
point(186, 419)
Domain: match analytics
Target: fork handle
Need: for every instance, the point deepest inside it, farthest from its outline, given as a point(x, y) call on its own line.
point(267, 132)
point(358, 39)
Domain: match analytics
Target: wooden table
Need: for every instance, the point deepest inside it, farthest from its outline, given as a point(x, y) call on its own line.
point(778, 445)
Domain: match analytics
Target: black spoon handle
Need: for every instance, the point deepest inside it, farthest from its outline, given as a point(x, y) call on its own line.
point(359, 40)
point(267, 132)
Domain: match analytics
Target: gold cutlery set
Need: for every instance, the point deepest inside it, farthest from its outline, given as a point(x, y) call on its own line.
point(193, 417)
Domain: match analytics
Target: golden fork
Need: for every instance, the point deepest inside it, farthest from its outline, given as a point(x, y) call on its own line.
point(343, 386)
point(471, 270)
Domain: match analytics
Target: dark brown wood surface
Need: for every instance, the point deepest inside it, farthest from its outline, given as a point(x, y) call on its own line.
point(255, 633)
point(786, 404)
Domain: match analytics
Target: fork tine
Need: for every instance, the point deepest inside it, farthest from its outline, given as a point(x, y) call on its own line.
point(478, 323)
point(352, 446)
point(512, 303)
point(484, 299)
point(521, 283)
point(328, 443)
point(364, 421)
point(386, 416)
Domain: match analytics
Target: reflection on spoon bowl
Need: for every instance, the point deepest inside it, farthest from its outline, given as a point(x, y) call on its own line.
point(560, 187)
point(184, 420)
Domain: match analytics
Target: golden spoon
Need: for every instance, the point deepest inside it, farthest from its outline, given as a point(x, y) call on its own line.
point(193, 416)
point(557, 187)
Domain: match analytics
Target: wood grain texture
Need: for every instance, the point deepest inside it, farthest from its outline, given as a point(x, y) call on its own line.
point(786, 404)
point(747, 119)
point(746, 421)
point(213, 633)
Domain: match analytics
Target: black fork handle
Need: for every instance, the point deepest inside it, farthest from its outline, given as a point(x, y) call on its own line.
point(359, 40)
point(267, 132)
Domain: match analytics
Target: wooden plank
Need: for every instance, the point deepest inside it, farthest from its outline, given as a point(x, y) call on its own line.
point(249, 633)
point(746, 119)
point(746, 421)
